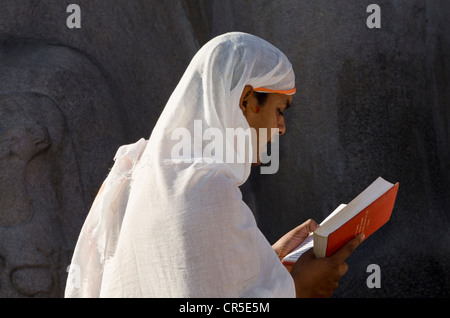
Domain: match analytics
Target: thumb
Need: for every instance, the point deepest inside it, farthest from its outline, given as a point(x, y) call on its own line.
point(302, 231)
point(296, 236)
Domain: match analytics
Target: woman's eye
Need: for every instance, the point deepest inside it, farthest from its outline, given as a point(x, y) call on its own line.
point(280, 112)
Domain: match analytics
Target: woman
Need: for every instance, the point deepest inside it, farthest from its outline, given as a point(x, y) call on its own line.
point(172, 223)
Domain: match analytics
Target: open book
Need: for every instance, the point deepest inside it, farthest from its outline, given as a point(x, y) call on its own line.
point(366, 213)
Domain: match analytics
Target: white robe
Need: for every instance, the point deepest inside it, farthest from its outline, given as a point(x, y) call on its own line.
point(164, 228)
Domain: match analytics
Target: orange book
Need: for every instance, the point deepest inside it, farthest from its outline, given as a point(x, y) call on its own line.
point(366, 213)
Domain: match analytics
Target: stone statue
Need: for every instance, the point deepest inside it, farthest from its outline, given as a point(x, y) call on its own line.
point(57, 117)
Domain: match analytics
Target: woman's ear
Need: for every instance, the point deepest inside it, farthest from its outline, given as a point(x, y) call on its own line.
point(246, 93)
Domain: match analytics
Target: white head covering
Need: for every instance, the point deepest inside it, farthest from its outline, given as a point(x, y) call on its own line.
point(164, 228)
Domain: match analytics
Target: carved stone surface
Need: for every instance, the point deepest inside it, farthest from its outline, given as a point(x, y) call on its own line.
point(370, 102)
point(57, 122)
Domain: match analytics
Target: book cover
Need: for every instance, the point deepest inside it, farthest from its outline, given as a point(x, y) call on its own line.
point(367, 221)
point(366, 213)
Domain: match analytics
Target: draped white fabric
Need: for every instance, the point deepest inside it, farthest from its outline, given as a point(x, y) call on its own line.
point(164, 228)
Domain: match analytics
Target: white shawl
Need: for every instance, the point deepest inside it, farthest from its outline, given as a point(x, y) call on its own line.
point(164, 228)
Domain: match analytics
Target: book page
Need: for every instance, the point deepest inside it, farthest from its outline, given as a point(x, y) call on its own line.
point(365, 198)
point(308, 243)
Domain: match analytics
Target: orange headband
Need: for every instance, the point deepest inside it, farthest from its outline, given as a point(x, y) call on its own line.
point(268, 90)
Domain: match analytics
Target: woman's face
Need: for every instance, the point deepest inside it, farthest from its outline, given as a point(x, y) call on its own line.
point(267, 116)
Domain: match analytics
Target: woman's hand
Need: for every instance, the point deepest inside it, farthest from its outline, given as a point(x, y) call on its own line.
point(319, 277)
point(294, 238)
point(314, 277)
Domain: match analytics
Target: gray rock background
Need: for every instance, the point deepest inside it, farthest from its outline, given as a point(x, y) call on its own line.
point(370, 102)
